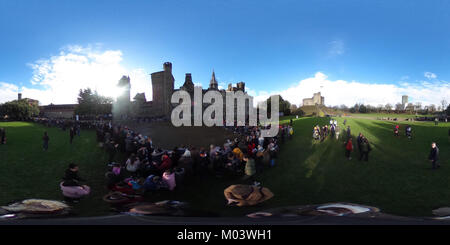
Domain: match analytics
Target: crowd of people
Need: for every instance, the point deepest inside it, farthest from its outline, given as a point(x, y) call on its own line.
point(150, 168)
point(321, 133)
point(333, 130)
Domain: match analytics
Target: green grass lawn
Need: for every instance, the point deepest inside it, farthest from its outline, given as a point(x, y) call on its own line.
point(26, 171)
point(386, 115)
point(396, 179)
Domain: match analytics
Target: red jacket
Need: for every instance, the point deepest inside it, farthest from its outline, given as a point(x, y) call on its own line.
point(349, 146)
point(166, 163)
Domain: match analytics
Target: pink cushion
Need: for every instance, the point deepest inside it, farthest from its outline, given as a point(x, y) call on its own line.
point(75, 191)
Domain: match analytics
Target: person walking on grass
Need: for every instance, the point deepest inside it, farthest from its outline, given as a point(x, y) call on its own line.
point(408, 131)
point(349, 149)
point(434, 156)
point(396, 130)
point(71, 134)
point(45, 140)
point(2, 136)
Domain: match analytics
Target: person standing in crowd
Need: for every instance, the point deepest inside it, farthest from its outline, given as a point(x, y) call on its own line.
point(78, 127)
point(349, 149)
point(365, 149)
point(434, 156)
point(338, 131)
point(45, 140)
point(71, 134)
point(359, 141)
point(349, 132)
point(3, 136)
point(250, 168)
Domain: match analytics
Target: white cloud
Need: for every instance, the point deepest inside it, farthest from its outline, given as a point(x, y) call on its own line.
point(339, 92)
point(430, 75)
point(337, 47)
point(8, 92)
point(59, 78)
point(404, 78)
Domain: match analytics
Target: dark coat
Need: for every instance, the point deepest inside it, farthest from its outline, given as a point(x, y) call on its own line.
point(71, 178)
point(434, 154)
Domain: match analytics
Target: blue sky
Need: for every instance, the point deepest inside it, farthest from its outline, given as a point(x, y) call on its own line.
point(285, 47)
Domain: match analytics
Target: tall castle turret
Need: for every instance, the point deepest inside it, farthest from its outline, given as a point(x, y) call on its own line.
point(163, 85)
point(213, 83)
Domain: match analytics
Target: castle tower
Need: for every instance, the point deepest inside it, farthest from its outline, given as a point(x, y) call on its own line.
point(241, 86)
point(163, 86)
point(19, 96)
point(121, 109)
point(188, 84)
point(213, 83)
point(125, 85)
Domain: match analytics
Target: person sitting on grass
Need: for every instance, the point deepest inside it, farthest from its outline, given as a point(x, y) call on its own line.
point(232, 163)
point(155, 183)
point(238, 153)
point(166, 163)
point(169, 178)
point(133, 164)
point(71, 186)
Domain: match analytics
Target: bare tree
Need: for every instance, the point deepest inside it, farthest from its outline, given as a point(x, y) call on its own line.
point(444, 104)
point(432, 108)
point(379, 108)
point(410, 107)
point(388, 107)
point(418, 106)
point(399, 107)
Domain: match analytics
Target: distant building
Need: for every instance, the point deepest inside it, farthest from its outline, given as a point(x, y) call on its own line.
point(65, 111)
point(317, 99)
point(404, 100)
